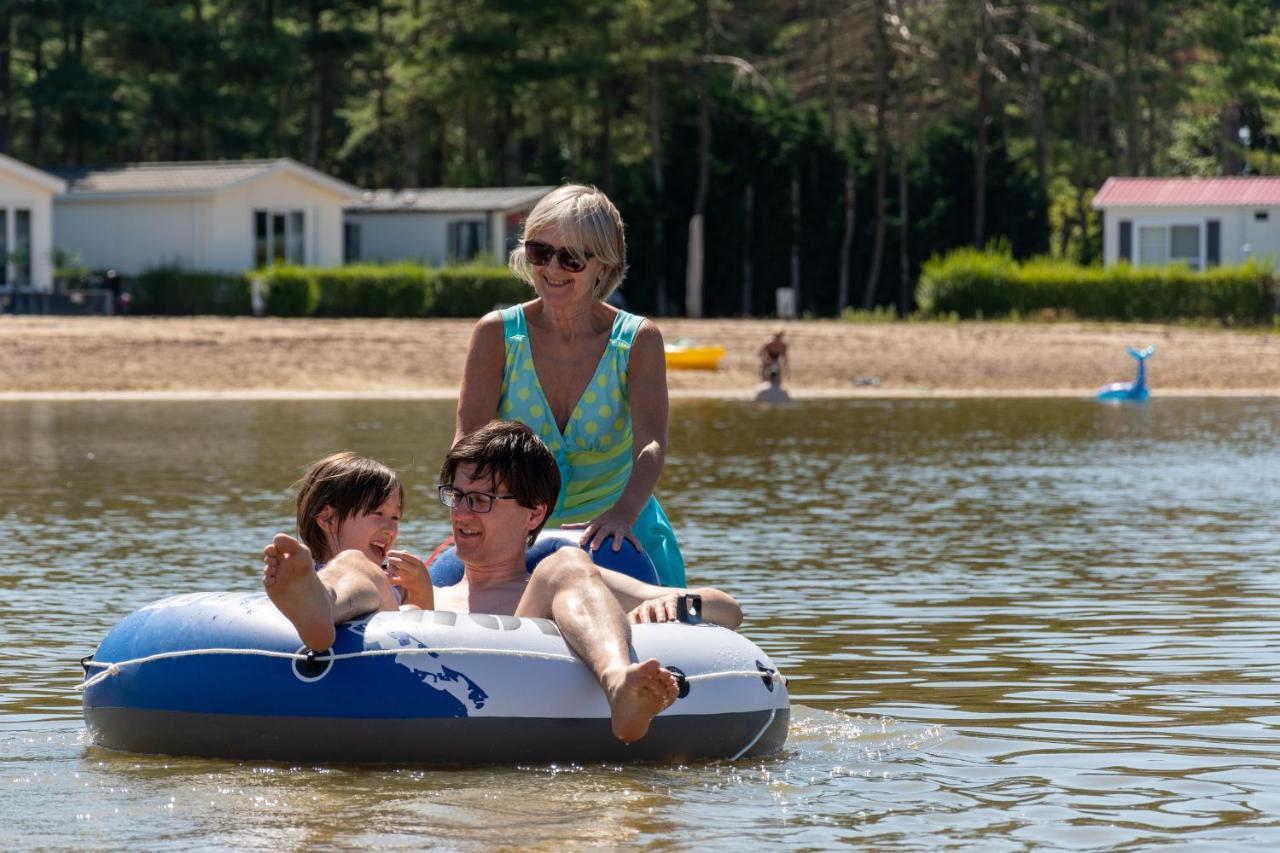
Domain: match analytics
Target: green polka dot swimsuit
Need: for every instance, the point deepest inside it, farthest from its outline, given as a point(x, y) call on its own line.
point(594, 451)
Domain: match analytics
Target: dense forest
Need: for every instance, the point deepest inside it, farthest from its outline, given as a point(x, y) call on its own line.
point(826, 145)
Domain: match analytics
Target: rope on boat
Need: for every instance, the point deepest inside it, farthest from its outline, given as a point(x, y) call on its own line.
point(110, 669)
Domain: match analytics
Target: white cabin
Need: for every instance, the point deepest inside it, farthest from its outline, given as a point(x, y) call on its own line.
point(26, 226)
point(1202, 222)
point(219, 216)
point(437, 226)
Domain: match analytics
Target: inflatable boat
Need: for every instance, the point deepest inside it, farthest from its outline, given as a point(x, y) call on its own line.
point(223, 675)
point(686, 356)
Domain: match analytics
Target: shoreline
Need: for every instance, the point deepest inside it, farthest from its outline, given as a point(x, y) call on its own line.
point(431, 394)
point(226, 358)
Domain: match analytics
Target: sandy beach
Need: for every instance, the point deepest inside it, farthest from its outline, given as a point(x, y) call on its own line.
point(55, 357)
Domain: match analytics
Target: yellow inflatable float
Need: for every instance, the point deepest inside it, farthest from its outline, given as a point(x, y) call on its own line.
point(685, 355)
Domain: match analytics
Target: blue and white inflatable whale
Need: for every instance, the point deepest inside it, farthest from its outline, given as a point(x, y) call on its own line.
point(224, 675)
point(1130, 392)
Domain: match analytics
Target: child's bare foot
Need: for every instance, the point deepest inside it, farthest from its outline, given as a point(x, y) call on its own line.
point(289, 574)
point(640, 693)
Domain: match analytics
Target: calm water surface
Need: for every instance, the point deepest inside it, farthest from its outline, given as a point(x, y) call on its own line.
point(1014, 624)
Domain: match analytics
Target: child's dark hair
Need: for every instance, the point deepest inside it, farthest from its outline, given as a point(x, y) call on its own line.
point(348, 482)
point(513, 458)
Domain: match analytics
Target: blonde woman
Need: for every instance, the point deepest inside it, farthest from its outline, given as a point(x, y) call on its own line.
point(589, 379)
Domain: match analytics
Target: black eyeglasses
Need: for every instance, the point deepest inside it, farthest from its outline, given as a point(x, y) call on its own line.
point(540, 254)
point(481, 502)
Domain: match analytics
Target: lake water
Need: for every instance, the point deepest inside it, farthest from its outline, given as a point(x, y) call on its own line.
point(1008, 624)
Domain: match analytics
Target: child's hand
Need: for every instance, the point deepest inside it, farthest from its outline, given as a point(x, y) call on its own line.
point(410, 574)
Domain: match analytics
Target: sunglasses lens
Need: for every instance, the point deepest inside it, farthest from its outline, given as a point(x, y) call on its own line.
point(568, 262)
point(538, 254)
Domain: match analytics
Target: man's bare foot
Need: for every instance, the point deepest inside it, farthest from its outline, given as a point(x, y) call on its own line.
point(289, 574)
point(639, 693)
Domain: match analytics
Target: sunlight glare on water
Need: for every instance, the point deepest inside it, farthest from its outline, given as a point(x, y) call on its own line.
point(1011, 624)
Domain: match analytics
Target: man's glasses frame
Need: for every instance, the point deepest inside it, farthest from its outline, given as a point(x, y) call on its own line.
point(478, 502)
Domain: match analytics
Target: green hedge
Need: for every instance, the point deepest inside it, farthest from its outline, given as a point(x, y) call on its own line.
point(473, 290)
point(172, 290)
point(972, 283)
point(396, 290)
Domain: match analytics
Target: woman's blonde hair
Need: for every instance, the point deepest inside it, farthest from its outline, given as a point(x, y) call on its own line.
point(588, 222)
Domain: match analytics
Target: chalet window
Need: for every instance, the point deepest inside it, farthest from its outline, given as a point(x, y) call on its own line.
point(15, 247)
point(1164, 244)
point(350, 241)
point(1213, 243)
point(1126, 240)
point(467, 240)
point(279, 236)
point(1261, 215)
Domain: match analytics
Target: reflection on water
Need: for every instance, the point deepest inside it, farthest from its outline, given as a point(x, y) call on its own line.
point(1013, 623)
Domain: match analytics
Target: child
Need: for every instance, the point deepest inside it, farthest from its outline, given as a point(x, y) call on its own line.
point(346, 502)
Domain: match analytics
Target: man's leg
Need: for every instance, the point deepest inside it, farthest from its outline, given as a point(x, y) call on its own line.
point(350, 585)
point(567, 588)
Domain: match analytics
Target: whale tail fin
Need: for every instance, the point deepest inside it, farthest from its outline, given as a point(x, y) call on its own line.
point(1142, 354)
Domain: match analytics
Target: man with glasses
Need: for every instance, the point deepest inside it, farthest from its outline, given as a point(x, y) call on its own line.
point(499, 483)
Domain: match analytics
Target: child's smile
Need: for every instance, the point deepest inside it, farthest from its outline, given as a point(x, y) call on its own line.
point(373, 533)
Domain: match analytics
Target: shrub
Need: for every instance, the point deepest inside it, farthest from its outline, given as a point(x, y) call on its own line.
point(398, 290)
point(291, 291)
point(973, 283)
point(173, 290)
point(368, 290)
point(472, 290)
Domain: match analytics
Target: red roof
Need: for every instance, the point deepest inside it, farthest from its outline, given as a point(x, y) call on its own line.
point(1188, 192)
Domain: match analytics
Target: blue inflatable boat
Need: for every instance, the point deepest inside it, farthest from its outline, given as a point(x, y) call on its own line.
point(224, 675)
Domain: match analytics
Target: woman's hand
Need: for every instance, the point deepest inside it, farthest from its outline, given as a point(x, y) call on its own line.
point(660, 609)
point(409, 573)
point(613, 522)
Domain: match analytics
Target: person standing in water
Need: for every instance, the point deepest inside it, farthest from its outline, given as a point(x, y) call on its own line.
point(773, 357)
point(588, 379)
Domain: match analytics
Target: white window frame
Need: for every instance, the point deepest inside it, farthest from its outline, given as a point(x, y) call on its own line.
point(1168, 223)
point(287, 213)
point(10, 267)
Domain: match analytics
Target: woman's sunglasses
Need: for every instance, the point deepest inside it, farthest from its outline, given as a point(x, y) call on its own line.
point(540, 254)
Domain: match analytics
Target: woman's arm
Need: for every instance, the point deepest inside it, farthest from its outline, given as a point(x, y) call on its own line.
point(645, 602)
point(481, 376)
point(647, 390)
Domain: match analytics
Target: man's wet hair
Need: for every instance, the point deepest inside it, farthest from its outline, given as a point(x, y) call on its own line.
point(513, 459)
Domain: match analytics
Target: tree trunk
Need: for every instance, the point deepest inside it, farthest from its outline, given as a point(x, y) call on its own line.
point(1133, 121)
point(605, 96)
point(436, 156)
point(846, 239)
point(384, 171)
point(748, 269)
point(1113, 37)
point(694, 269)
point(795, 240)
point(659, 193)
point(413, 125)
point(984, 125)
point(37, 108)
point(315, 106)
point(883, 59)
point(1230, 122)
point(1039, 126)
point(837, 131)
point(6, 78)
point(904, 212)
